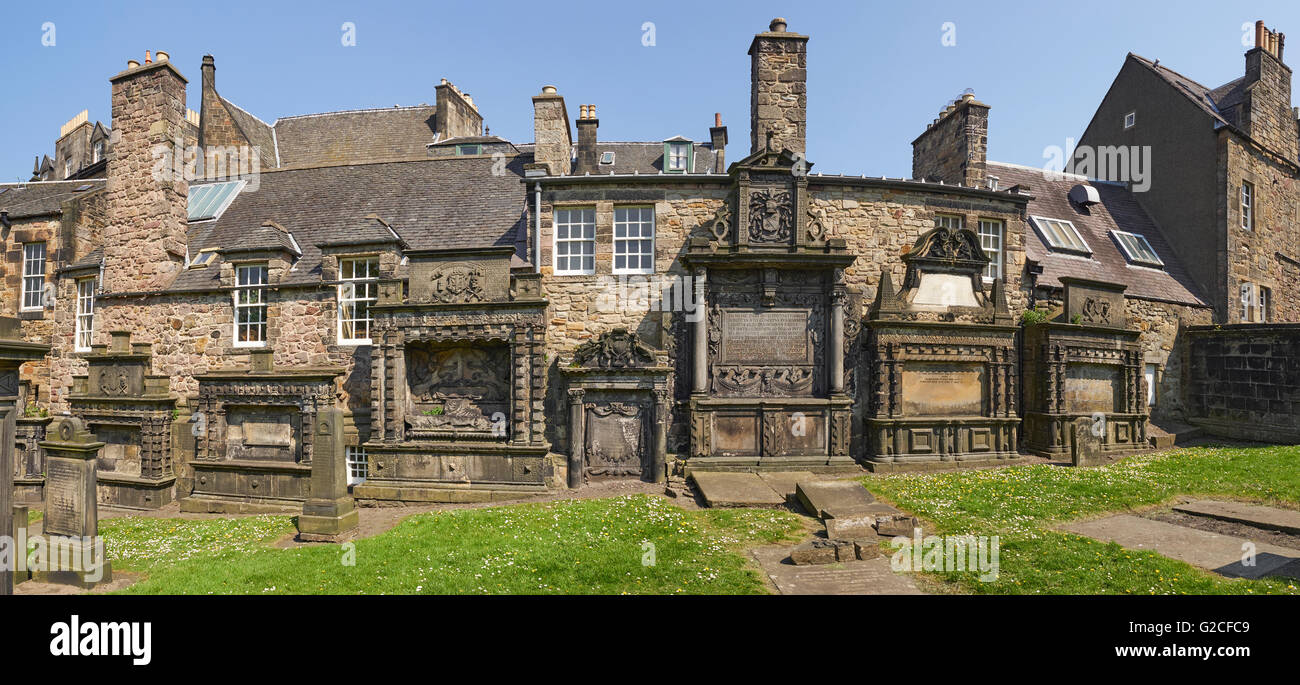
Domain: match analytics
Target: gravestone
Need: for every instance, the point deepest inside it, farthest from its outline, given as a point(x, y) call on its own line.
point(13, 352)
point(74, 554)
point(1086, 442)
point(329, 515)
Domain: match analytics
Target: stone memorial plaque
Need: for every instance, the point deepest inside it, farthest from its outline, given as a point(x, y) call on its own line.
point(64, 484)
point(766, 336)
point(735, 434)
point(615, 440)
point(945, 290)
point(943, 389)
point(1091, 387)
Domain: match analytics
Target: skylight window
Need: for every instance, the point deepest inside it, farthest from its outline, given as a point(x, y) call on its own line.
point(209, 200)
point(1137, 249)
point(202, 259)
point(607, 158)
point(1061, 235)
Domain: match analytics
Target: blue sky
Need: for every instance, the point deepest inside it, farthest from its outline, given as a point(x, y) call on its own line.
point(878, 71)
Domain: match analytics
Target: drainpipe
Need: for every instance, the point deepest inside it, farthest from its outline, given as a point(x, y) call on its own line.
point(537, 228)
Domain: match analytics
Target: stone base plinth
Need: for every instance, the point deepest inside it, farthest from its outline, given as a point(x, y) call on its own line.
point(216, 504)
point(407, 491)
point(819, 464)
point(129, 492)
point(328, 520)
point(935, 465)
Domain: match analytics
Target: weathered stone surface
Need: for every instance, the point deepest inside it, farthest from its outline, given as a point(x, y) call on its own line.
point(1085, 444)
point(785, 482)
point(866, 549)
point(723, 489)
point(329, 514)
point(833, 498)
point(892, 526)
point(872, 577)
point(816, 551)
point(1222, 554)
point(1270, 518)
point(851, 527)
point(75, 555)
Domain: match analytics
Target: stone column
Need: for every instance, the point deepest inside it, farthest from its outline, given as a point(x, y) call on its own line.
point(75, 554)
point(329, 515)
point(577, 436)
point(7, 508)
point(700, 360)
point(836, 348)
point(660, 456)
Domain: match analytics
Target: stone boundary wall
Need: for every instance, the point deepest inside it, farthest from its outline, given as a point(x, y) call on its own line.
point(1245, 381)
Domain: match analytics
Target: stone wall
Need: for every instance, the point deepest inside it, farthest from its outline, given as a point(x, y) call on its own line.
point(219, 127)
point(1268, 254)
point(778, 100)
point(1245, 381)
point(455, 116)
point(954, 149)
point(1266, 113)
point(554, 139)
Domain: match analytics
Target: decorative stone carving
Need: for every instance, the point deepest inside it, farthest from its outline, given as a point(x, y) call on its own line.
point(771, 216)
point(458, 282)
point(614, 349)
point(720, 226)
point(819, 226)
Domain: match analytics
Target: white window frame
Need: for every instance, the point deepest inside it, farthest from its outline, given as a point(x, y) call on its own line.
point(67, 168)
point(1043, 223)
point(993, 244)
point(1151, 372)
point(1248, 205)
point(33, 277)
point(569, 242)
point(623, 243)
point(679, 156)
point(1263, 299)
point(97, 151)
point(1130, 120)
point(1138, 259)
point(85, 317)
point(247, 291)
point(358, 464)
point(952, 222)
point(354, 289)
point(1248, 301)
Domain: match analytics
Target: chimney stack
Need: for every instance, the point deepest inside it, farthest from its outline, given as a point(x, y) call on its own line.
point(588, 158)
point(1265, 112)
point(144, 245)
point(954, 148)
point(455, 114)
point(552, 137)
point(718, 139)
point(778, 100)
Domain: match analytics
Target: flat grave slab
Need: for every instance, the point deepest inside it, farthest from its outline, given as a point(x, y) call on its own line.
point(833, 498)
point(1222, 554)
point(1271, 518)
point(871, 577)
point(784, 482)
point(727, 489)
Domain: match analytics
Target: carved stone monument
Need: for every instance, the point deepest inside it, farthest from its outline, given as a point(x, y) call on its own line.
point(943, 363)
point(768, 386)
point(74, 554)
point(329, 515)
point(253, 436)
point(1085, 363)
point(458, 381)
point(618, 410)
point(129, 409)
point(13, 352)
point(29, 461)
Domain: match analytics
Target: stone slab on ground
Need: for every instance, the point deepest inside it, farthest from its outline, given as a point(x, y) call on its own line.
point(871, 577)
point(735, 489)
point(1219, 553)
point(1270, 518)
point(784, 482)
point(851, 527)
point(833, 498)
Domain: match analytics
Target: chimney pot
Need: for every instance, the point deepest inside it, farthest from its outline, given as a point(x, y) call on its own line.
point(548, 90)
point(161, 56)
point(147, 59)
point(717, 119)
point(777, 25)
point(131, 64)
point(1259, 33)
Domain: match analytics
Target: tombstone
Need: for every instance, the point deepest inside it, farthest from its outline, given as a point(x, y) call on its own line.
point(1086, 441)
point(74, 554)
point(943, 363)
point(770, 341)
point(1086, 362)
point(329, 515)
point(618, 410)
point(13, 352)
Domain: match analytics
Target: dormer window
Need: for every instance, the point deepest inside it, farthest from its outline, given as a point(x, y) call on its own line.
point(469, 149)
point(1061, 235)
point(678, 156)
point(97, 152)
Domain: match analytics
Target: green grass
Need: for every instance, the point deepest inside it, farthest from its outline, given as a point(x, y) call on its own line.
point(1021, 504)
point(601, 546)
point(34, 515)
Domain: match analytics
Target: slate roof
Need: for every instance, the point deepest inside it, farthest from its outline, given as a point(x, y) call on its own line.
point(643, 157)
point(452, 202)
point(42, 198)
point(1219, 103)
point(1118, 209)
point(355, 137)
point(258, 132)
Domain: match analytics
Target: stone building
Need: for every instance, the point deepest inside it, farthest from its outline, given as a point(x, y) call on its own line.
point(485, 310)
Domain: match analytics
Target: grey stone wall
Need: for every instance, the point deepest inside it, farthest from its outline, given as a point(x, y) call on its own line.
point(954, 149)
point(1245, 381)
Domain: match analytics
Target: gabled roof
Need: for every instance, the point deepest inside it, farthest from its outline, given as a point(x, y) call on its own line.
point(355, 137)
point(43, 198)
point(1118, 209)
point(1219, 103)
point(258, 132)
point(452, 202)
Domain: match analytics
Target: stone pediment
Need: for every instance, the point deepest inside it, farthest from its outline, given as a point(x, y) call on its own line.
point(616, 349)
point(943, 282)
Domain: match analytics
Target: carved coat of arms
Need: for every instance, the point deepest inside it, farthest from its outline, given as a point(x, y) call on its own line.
point(458, 283)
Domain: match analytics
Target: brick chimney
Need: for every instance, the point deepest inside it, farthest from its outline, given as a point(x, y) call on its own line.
point(1266, 113)
point(954, 147)
point(718, 140)
point(587, 124)
point(144, 243)
point(456, 115)
point(551, 134)
point(778, 98)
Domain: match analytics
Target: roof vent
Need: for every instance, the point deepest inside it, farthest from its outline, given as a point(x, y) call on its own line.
point(1084, 195)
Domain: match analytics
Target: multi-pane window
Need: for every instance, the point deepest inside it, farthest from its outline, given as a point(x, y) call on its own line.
point(634, 240)
point(1263, 304)
point(85, 313)
point(1256, 300)
point(358, 467)
point(250, 305)
point(991, 242)
point(678, 154)
point(33, 275)
point(1061, 235)
point(575, 240)
point(98, 153)
point(358, 291)
point(951, 222)
point(1247, 206)
point(1137, 249)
